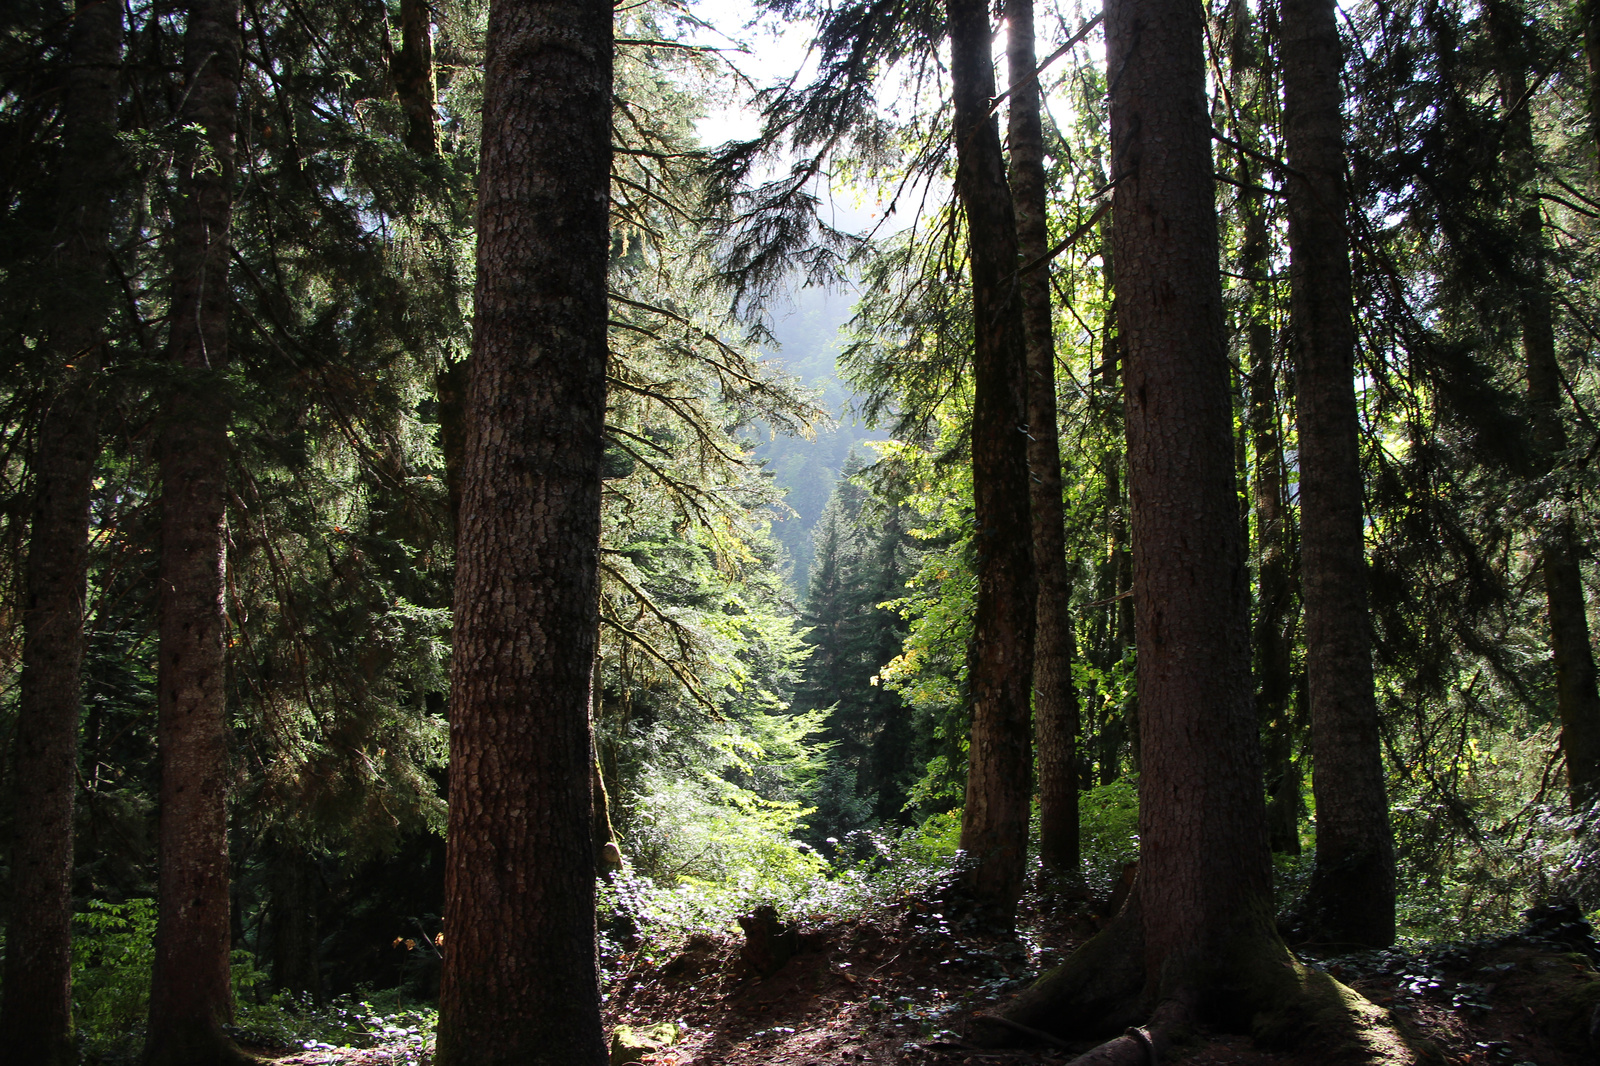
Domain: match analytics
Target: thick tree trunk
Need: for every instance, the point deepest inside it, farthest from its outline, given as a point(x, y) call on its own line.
point(1205, 875)
point(1577, 691)
point(412, 70)
point(190, 992)
point(1351, 896)
point(994, 828)
point(1055, 700)
point(1196, 940)
point(521, 982)
point(36, 1004)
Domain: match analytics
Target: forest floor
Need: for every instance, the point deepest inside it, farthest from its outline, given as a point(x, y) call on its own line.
point(902, 987)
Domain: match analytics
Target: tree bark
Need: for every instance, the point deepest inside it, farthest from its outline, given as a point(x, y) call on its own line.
point(1577, 686)
point(994, 826)
point(1055, 700)
point(190, 992)
point(520, 982)
point(412, 70)
point(1351, 896)
point(1205, 875)
point(1196, 940)
point(36, 1003)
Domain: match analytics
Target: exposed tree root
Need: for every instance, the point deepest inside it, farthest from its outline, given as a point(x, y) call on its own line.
point(1101, 989)
point(198, 1045)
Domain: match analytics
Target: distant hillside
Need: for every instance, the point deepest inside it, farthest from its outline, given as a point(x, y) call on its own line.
point(808, 339)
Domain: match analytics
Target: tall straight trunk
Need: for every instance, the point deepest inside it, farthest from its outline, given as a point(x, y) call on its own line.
point(1205, 874)
point(521, 981)
point(191, 997)
point(36, 1002)
point(190, 992)
point(1577, 691)
point(1351, 896)
point(1591, 55)
point(994, 826)
point(412, 70)
point(1273, 626)
point(1055, 700)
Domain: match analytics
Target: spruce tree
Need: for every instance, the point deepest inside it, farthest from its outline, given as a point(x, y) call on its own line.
point(36, 1002)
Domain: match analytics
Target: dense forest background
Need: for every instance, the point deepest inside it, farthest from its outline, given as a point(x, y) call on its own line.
point(788, 575)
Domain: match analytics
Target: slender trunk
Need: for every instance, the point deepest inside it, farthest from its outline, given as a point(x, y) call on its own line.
point(1273, 627)
point(1121, 554)
point(190, 993)
point(1351, 896)
point(1055, 700)
point(1591, 55)
point(1274, 622)
point(36, 1003)
point(994, 827)
point(1577, 692)
point(292, 921)
point(412, 71)
point(521, 982)
point(1204, 873)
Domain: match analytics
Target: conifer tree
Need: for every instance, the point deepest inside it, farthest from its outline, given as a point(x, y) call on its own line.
point(1055, 701)
point(36, 1002)
point(1571, 648)
point(520, 980)
point(994, 826)
point(191, 994)
point(1351, 897)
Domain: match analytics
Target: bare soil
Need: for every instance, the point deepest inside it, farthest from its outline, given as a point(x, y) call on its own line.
point(902, 987)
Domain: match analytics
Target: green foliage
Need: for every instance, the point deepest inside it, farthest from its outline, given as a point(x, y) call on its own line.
point(113, 950)
point(281, 1021)
point(1109, 821)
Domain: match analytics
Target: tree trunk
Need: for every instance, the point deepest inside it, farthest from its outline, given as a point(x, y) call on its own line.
point(1591, 54)
point(1577, 691)
point(190, 991)
point(1351, 896)
point(1196, 940)
point(1055, 701)
point(520, 981)
point(1205, 876)
point(292, 908)
point(36, 1008)
point(1273, 627)
point(994, 826)
point(412, 70)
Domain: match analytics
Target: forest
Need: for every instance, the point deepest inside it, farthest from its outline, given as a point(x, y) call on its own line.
point(1065, 537)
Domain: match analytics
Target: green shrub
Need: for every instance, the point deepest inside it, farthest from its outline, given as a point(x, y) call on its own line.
point(1108, 819)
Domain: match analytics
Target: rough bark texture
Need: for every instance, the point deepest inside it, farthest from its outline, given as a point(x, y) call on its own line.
point(412, 70)
point(1205, 874)
point(520, 981)
point(994, 827)
point(36, 1008)
point(1577, 691)
point(1351, 896)
point(1055, 700)
point(190, 992)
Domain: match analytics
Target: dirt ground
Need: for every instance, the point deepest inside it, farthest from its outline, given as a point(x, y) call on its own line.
point(902, 988)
